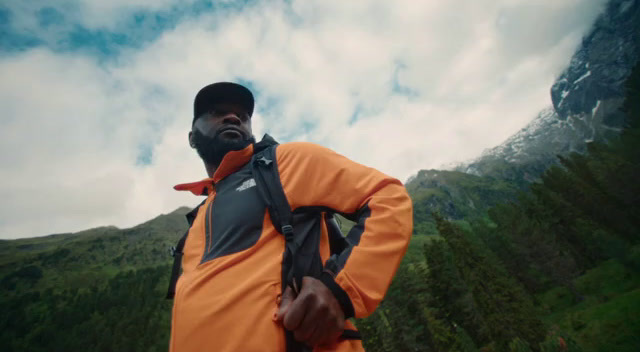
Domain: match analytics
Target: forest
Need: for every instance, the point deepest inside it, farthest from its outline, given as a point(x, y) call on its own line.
point(558, 269)
point(555, 269)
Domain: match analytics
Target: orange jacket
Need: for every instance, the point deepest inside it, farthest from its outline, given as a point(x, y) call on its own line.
point(227, 295)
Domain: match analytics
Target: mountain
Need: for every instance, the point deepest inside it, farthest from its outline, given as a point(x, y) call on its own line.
point(586, 100)
point(101, 289)
point(64, 261)
point(455, 195)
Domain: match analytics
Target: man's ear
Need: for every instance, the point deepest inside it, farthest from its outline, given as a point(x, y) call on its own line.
point(191, 142)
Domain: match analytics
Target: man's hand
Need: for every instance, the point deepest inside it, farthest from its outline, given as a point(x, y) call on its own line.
point(314, 316)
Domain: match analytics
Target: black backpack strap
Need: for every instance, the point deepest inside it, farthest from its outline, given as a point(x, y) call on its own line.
point(301, 255)
point(178, 251)
point(265, 172)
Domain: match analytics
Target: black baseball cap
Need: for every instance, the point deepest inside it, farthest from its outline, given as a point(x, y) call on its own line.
point(222, 92)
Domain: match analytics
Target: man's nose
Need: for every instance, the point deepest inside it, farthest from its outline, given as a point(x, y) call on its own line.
point(231, 118)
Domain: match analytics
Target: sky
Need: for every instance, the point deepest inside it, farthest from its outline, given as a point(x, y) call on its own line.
point(96, 96)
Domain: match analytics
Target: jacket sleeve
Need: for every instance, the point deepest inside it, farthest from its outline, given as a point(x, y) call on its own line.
point(315, 176)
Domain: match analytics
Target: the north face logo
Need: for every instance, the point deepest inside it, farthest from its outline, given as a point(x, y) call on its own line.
point(246, 184)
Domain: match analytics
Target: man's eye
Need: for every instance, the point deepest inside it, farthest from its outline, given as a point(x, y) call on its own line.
point(217, 112)
point(221, 112)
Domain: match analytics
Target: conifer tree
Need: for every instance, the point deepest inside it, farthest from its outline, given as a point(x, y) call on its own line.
point(504, 306)
point(452, 297)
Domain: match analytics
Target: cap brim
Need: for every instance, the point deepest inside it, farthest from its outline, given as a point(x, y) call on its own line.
point(222, 92)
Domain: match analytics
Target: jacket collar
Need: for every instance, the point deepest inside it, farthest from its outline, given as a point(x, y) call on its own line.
point(231, 163)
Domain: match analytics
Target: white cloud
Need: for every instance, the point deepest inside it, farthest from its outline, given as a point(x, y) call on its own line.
point(72, 126)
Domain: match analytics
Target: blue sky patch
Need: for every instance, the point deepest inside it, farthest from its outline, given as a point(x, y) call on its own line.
point(357, 112)
point(145, 155)
point(11, 40)
point(399, 88)
point(61, 31)
point(48, 16)
point(99, 42)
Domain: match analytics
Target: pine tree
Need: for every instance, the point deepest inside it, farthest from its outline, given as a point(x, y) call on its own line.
point(504, 306)
point(451, 297)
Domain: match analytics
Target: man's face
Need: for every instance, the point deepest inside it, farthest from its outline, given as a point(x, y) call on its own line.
point(224, 128)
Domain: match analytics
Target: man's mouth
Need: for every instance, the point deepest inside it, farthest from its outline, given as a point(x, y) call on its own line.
point(232, 132)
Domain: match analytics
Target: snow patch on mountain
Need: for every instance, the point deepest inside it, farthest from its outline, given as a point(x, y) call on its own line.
point(582, 77)
point(625, 6)
point(586, 99)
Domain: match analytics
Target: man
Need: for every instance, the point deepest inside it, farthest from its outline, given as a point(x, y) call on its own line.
point(229, 296)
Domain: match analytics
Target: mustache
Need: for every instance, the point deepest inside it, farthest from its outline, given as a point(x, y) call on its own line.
point(213, 149)
point(227, 128)
point(203, 139)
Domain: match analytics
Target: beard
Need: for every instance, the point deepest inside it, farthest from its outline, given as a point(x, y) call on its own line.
point(213, 149)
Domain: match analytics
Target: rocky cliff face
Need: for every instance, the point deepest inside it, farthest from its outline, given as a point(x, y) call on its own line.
point(599, 68)
point(586, 100)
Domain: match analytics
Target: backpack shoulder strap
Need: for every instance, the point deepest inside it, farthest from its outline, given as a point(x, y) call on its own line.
point(177, 251)
point(301, 249)
point(272, 192)
point(265, 172)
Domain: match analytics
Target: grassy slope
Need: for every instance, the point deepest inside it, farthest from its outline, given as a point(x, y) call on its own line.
point(608, 318)
point(455, 195)
point(82, 259)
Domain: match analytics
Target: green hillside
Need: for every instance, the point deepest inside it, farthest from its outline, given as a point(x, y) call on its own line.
point(100, 290)
point(557, 269)
point(455, 195)
point(77, 259)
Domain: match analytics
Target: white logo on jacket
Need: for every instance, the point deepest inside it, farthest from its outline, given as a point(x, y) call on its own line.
point(246, 185)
